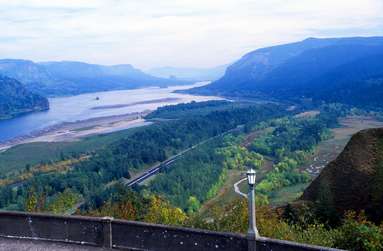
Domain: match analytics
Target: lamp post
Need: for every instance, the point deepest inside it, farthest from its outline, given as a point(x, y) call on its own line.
point(252, 233)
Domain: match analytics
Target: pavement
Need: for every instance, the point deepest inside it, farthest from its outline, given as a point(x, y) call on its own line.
point(237, 190)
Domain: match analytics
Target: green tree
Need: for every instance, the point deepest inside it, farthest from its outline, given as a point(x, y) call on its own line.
point(193, 205)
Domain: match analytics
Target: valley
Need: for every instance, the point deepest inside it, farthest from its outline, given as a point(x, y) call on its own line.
point(205, 177)
point(75, 139)
point(191, 125)
point(178, 154)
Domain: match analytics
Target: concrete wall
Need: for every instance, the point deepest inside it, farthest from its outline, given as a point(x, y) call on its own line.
point(108, 233)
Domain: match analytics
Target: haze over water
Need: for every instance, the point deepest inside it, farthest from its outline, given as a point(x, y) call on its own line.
point(79, 107)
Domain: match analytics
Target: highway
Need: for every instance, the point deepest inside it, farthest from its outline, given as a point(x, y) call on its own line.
point(157, 168)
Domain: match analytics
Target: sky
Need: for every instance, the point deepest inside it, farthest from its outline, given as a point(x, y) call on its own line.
point(179, 33)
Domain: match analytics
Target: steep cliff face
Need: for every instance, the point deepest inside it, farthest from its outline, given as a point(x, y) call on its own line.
point(354, 181)
point(15, 99)
point(341, 70)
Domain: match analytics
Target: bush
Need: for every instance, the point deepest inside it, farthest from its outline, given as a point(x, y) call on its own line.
point(356, 233)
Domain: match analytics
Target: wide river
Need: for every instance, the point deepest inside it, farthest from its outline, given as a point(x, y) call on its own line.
point(82, 107)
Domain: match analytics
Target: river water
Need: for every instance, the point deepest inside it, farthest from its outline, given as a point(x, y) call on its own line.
point(95, 105)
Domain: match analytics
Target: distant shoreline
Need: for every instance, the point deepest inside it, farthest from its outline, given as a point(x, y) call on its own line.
point(153, 101)
point(72, 131)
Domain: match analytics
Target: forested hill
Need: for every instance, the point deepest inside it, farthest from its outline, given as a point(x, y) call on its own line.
point(15, 99)
point(69, 78)
point(354, 181)
point(336, 70)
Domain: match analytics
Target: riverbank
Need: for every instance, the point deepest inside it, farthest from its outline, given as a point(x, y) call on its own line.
point(72, 131)
point(86, 107)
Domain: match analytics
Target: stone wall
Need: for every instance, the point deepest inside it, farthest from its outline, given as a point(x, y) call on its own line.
point(121, 234)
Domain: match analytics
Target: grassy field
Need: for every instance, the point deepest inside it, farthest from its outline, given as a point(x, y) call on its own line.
point(287, 194)
point(328, 150)
point(226, 194)
point(19, 156)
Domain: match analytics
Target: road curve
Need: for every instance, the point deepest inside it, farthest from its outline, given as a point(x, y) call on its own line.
point(236, 188)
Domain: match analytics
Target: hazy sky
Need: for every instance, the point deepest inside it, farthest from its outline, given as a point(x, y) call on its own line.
point(152, 33)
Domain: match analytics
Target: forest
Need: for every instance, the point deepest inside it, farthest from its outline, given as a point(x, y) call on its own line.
point(290, 143)
point(288, 140)
point(176, 196)
point(15, 99)
point(145, 147)
point(89, 185)
point(200, 174)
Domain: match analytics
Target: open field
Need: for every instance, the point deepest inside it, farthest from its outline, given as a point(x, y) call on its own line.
point(329, 149)
point(287, 194)
point(226, 194)
point(308, 114)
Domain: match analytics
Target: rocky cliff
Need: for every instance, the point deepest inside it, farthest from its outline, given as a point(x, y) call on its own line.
point(354, 181)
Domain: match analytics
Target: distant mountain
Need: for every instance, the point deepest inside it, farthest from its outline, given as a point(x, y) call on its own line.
point(27, 72)
point(344, 70)
point(191, 74)
point(15, 99)
point(66, 77)
point(83, 77)
point(354, 181)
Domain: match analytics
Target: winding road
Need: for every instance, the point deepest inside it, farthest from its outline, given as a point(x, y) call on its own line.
point(237, 190)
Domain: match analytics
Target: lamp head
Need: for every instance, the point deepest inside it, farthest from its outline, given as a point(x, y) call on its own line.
point(251, 174)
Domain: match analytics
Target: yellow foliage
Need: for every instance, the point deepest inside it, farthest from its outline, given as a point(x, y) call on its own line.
point(161, 212)
point(60, 166)
point(122, 210)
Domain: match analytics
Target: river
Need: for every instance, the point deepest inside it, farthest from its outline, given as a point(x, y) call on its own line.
point(96, 105)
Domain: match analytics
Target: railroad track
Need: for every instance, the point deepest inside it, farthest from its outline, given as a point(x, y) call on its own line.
point(158, 167)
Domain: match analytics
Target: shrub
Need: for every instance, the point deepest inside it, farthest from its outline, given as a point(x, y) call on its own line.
point(357, 233)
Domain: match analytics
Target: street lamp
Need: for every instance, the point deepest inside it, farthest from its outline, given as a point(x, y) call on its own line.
point(252, 233)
